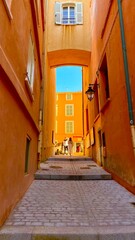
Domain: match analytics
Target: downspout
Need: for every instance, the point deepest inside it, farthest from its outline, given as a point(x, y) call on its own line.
point(128, 88)
point(124, 50)
point(41, 107)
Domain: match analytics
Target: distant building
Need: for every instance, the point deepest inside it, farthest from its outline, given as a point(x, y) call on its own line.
point(69, 119)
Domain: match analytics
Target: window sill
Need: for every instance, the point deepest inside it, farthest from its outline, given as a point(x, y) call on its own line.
point(105, 105)
point(29, 89)
point(7, 7)
point(68, 24)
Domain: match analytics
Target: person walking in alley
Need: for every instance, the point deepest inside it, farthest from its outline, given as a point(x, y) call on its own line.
point(65, 144)
point(70, 146)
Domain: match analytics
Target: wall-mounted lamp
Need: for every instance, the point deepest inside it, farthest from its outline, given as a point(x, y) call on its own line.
point(90, 92)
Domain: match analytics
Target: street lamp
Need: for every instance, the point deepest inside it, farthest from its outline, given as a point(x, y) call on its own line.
point(90, 91)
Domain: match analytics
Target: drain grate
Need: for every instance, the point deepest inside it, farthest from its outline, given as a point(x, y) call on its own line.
point(56, 167)
point(87, 167)
point(133, 203)
point(91, 165)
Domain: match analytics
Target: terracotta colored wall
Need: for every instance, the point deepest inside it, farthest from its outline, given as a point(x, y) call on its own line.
point(19, 113)
point(13, 181)
point(113, 114)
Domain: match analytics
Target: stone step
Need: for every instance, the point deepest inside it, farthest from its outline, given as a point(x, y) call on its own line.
point(70, 233)
point(68, 158)
point(39, 176)
point(71, 170)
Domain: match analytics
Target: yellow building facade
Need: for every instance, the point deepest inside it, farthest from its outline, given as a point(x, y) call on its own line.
point(69, 120)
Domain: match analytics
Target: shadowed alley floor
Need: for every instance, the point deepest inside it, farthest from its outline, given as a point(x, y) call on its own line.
point(65, 209)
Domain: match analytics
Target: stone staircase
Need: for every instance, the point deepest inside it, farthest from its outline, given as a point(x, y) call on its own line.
point(71, 168)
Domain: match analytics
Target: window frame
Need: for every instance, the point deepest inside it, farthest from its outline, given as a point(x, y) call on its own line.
point(71, 96)
point(68, 20)
point(29, 79)
point(78, 11)
point(56, 110)
point(7, 4)
point(69, 109)
point(66, 127)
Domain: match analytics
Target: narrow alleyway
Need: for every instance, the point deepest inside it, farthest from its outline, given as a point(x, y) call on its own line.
point(68, 209)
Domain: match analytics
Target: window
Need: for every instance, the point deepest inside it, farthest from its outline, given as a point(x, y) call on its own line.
point(30, 65)
point(69, 126)
point(69, 96)
point(68, 16)
point(103, 139)
point(7, 4)
point(56, 110)
point(69, 109)
point(68, 13)
point(27, 154)
point(104, 83)
point(104, 72)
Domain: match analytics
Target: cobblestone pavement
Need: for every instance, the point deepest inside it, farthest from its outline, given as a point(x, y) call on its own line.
point(74, 204)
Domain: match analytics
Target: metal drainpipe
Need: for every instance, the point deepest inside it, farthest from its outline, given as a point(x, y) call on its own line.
point(41, 107)
point(128, 89)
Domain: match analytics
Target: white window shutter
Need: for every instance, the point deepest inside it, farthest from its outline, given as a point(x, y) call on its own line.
point(30, 64)
point(79, 13)
point(58, 13)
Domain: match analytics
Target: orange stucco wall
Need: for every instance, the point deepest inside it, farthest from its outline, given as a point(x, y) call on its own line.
point(19, 108)
point(49, 112)
point(113, 118)
point(67, 44)
point(61, 116)
point(68, 37)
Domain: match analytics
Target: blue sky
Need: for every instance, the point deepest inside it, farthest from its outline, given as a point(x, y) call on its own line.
point(68, 79)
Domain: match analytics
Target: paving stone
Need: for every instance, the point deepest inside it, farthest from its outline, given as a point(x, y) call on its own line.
point(83, 210)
